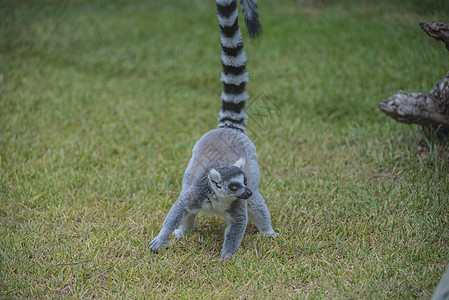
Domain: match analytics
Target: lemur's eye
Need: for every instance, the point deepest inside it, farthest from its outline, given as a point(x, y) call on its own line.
point(246, 182)
point(234, 186)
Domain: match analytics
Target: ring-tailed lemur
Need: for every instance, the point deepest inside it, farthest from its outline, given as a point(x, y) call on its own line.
point(222, 175)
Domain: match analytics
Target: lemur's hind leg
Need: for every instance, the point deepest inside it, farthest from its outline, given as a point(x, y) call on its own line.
point(258, 214)
point(188, 224)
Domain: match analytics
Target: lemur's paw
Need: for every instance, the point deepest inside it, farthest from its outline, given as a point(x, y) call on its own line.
point(226, 256)
point(271, 233)
point(178, 233)
point(156, 243)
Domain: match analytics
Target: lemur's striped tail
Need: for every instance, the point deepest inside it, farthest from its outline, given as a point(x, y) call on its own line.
point(234, 76)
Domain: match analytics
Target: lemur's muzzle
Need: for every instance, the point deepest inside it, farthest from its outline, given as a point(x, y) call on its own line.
point(246, 194)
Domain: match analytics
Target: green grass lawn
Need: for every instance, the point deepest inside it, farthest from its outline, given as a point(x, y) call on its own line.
point(100, 106)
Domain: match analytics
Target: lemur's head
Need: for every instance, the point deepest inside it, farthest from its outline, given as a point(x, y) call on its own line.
point(230, 182)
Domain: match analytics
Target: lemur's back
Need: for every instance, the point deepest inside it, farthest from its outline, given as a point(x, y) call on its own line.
point(222, 146)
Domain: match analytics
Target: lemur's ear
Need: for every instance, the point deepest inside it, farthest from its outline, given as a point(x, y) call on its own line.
point(240, 163)
point(214, 176)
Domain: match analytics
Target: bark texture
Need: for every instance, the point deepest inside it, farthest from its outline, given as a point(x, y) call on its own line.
point(437, 30)
point(428, 110)
point(431, 109)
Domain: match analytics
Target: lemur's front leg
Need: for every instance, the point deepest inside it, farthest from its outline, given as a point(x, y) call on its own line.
point(237, 220)
point(174, 218)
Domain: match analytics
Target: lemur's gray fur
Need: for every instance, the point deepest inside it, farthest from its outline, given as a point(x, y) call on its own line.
point(223, 174)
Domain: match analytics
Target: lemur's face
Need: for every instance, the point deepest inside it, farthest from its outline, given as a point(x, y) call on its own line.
point(229, 183)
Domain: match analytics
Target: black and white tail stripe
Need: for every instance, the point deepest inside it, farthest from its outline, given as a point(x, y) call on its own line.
point(234, 77)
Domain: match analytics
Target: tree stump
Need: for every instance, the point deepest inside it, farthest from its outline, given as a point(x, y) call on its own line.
point(437, 30)
point(428, 110)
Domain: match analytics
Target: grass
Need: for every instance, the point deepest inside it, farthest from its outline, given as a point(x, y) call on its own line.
point(101, 103)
